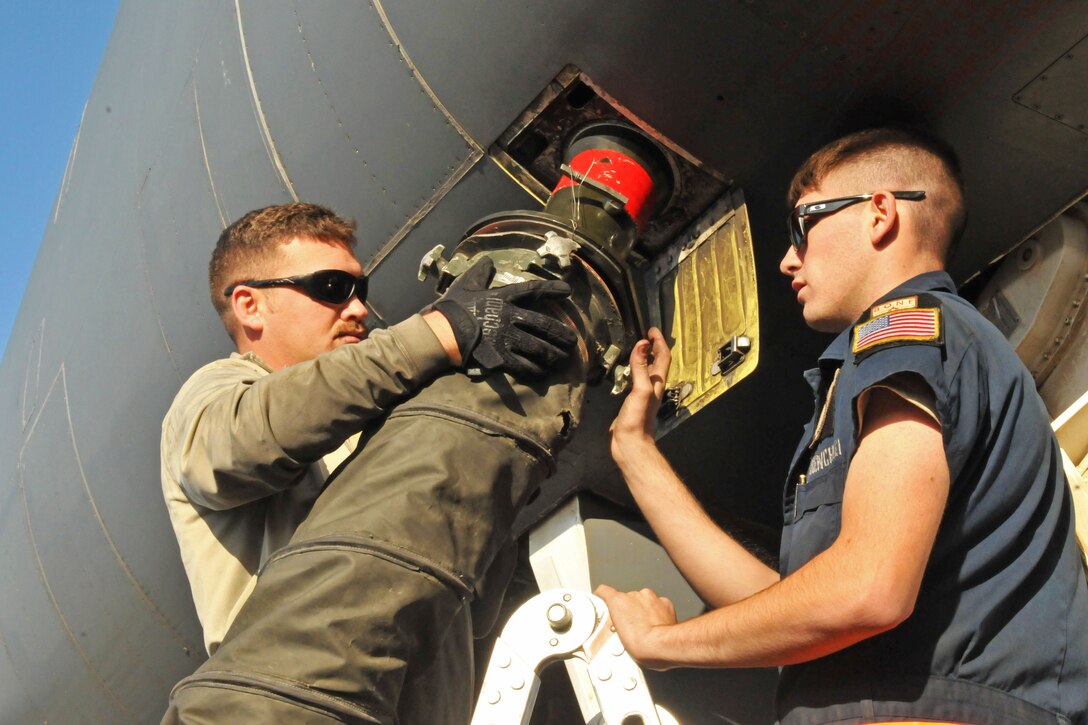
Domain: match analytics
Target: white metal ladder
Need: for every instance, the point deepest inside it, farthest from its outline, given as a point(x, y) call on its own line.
point(564, 624)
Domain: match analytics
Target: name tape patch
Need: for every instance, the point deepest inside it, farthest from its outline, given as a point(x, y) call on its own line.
point(897, 326)
point(903, 303)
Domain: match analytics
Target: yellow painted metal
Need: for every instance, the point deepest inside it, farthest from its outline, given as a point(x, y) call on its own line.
point(706, 300)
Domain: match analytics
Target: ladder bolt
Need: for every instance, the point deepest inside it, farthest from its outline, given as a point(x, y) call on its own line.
point(559, 617)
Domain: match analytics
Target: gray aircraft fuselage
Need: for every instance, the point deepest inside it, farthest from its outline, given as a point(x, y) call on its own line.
point(387, 112)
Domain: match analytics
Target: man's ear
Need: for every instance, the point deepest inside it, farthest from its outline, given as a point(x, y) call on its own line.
point(248, 309)
point(884, 219)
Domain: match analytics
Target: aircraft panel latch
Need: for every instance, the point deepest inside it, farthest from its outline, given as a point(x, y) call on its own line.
point(731, 354)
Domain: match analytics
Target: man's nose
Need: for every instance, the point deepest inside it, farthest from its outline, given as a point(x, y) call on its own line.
point(790, 261)
point(354, 310)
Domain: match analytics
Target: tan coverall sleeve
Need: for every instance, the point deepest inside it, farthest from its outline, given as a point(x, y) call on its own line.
point(252, 438)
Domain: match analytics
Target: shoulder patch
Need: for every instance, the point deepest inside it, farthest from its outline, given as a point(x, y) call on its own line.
point(894, 327)
point(903, 303)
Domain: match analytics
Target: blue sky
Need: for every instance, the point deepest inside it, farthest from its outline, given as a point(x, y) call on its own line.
point(49, 57)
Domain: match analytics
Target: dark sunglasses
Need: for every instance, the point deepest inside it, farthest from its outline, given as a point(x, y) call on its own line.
point(334, 286)
point(798, 223)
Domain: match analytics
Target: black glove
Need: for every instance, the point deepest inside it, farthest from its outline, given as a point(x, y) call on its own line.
point(495, 333)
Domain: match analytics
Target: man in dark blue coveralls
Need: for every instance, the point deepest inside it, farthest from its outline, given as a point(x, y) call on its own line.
point(928, 566)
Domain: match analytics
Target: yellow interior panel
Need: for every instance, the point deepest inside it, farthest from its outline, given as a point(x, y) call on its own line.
point(705, 288)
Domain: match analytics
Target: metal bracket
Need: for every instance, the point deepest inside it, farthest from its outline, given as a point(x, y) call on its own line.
point(731, 355)
point(555, 625)
point(670, 402)
point(433, 262)
point(559, 248)
point(621, 379)
point(511, 264)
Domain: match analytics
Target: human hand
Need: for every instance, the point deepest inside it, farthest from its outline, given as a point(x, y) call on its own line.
point(639, 618)
point(495, 332)
point(650, 360)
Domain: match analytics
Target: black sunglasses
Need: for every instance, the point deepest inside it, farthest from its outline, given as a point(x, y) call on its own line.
point(796, 222)
point(334, 286)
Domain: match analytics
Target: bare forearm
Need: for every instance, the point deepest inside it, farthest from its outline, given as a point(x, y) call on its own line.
point(440, 326)
point(720, 569)
point(796, 620)
point(865, 583)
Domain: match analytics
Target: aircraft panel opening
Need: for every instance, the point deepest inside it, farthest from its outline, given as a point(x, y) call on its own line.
point(531, 151)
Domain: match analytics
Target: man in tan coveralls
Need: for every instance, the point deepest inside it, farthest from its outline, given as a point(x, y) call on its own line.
point(250, 440)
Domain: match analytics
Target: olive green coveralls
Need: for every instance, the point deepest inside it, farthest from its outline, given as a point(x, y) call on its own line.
point(367, 614)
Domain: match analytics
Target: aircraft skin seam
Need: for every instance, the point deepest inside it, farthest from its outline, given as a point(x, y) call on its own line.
point(447, 184)
point(68, 167)
point(419, 77)
point(26, 692)
point(155, 306)
point(38, 368)
point(371, 177)
point(26, 385)
point(324, 90)
point(37, 371)
point(207, 161)
point(62, 378)
point(266, 132)
point(129, 574)
point(83, 655)
point(467, 164)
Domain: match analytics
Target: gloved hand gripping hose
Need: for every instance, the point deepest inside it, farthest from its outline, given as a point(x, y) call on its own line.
point(495, 332)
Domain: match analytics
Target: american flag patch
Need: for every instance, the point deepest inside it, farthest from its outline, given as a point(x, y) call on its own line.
point(917, 325)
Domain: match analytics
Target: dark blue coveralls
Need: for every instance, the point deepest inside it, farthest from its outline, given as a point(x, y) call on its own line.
point(999, 633)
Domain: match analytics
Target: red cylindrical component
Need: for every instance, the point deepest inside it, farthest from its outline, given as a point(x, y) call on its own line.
point(619, 172)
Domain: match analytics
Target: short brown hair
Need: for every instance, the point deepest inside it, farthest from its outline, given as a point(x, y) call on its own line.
point(906, 158)
point(247, 247)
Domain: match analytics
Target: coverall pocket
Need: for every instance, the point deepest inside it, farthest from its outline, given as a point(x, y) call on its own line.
point(821, 491)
